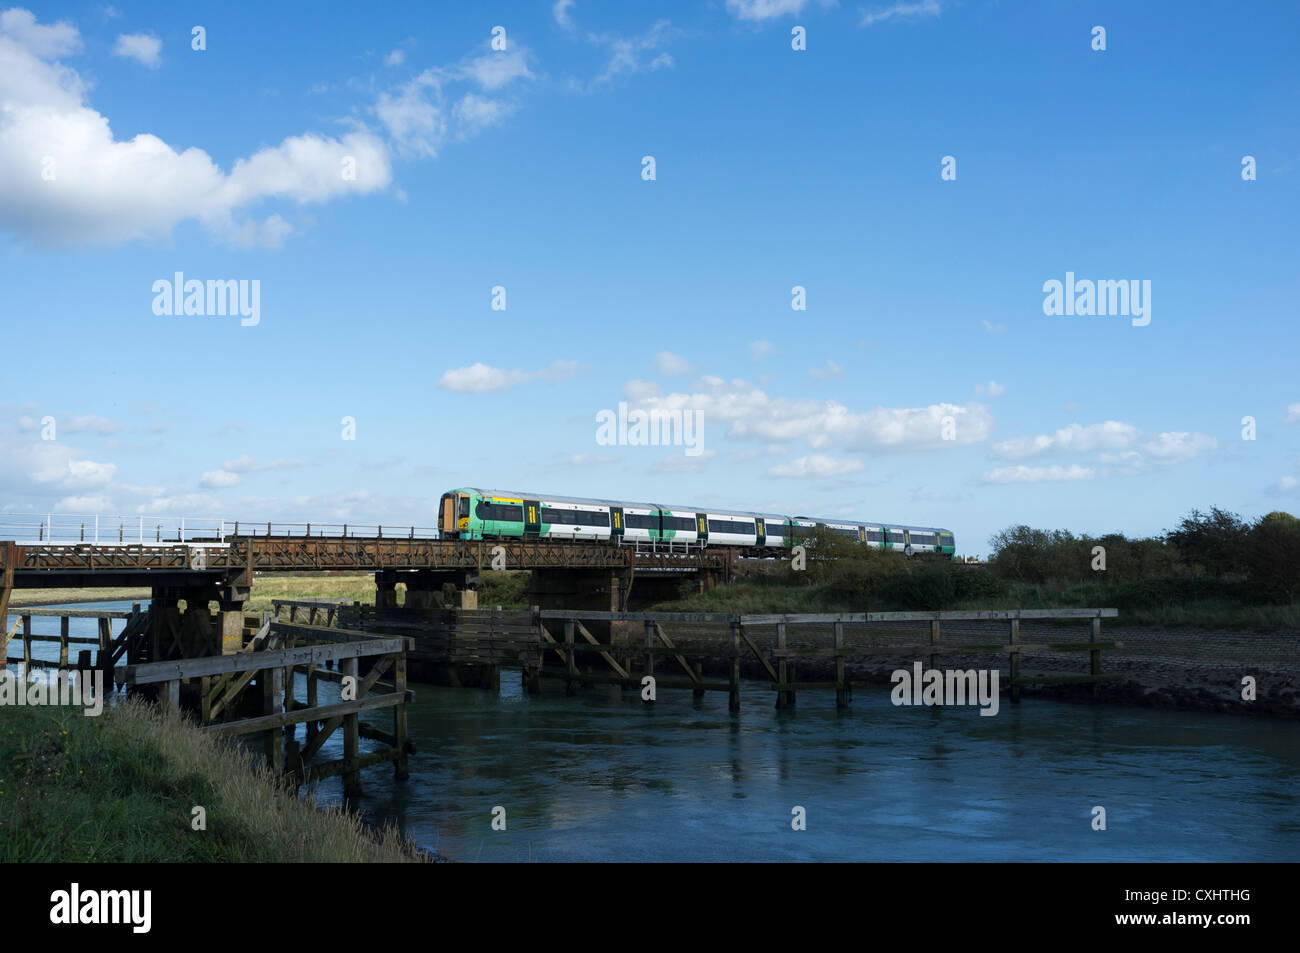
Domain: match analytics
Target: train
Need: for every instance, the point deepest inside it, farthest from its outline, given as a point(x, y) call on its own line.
point(470, 513)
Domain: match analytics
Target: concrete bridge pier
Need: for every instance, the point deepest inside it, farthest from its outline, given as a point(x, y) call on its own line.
point(599, 590)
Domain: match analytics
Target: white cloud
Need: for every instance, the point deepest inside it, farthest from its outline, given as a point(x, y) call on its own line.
point(1111, 435)
point(760, 349)
point(751, 413)
point(246, 464)
point(416, 115)
point(666, 362)
point(628, 55)
point(1025, 474)
point(832, 371)
point(104, 190)
point(141, 47)
point(1286, 484)
point(395, 58)
point(561, 13)
point(218, 478)
point(680, 463)
point(992, 328)
point(902, 10)
point(992, 388)
point(637, 391)
point(764, 9)
point(1292, 414)
point(816, 465)
point(481, 378)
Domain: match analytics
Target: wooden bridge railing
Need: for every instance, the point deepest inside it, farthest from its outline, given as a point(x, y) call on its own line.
point(272, 658)
point(776, 660)
point(110, 648)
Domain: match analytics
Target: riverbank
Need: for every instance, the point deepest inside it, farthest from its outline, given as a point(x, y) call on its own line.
point(125, 786)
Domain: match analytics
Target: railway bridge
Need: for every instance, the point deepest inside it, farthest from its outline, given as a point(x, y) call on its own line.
point(217, 563)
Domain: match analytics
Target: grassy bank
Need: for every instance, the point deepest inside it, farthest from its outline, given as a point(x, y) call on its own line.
point(122, 787)
point(788, 592)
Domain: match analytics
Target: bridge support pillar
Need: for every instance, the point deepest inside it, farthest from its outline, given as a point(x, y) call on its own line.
point(423, 590)
point(230, 604)
point(596, 590)
point(385, 590)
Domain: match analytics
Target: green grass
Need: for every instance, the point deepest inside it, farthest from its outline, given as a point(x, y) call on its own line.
point(780, 595)
point(121, 787)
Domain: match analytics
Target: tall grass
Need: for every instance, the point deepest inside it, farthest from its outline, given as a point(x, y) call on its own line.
point(122, 787)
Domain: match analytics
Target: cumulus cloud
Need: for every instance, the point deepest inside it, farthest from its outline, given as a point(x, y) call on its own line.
point(561, 13)
point(764, 9)
point(1109, 435)
point(816, 465)
point(219, 478)
point(750, 413)
point(1292, 414)
point(901, 11)
point(636, 391)
point(481, 378)
point(395, 58)
point(1026, 474)
point(91, 187)
point(992, 388)
point(666, 362)
point(760, 349)
point(832, 371)
point(144, 48)
point(1120, 447)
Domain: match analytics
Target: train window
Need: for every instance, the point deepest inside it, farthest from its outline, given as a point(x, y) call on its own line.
point(506, 512)
point(679, 522)
point(640, 521)
point(732, 526)
point(573, 517)
point(875, 536)
point(464, 507)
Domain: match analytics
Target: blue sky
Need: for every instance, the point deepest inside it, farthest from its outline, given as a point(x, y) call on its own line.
point(774, 168)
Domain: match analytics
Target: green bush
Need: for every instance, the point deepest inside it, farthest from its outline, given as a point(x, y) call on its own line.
point(1273, 559)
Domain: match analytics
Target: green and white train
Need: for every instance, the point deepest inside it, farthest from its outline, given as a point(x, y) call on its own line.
point(495, 514)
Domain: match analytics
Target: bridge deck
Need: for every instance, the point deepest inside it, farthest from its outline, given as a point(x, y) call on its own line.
point(36, 564)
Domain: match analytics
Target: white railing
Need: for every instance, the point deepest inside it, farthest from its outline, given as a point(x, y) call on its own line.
point(64, 528)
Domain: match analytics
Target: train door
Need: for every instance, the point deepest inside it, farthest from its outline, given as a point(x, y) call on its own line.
point(702, 528)
point(862, 534)
point(907, 543)
point(616, 523)
point(532, 518)
point(761, 530)
point(448, 522)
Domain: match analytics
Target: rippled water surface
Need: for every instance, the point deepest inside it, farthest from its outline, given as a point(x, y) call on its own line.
point(602, 776)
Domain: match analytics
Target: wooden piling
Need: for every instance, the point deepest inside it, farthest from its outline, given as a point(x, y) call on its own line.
point(351, 739)
point(733, 695)
point(842, 691)
point(1014, 664)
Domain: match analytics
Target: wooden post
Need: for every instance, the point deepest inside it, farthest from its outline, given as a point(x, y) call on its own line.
point(27, 645)
point(351, 739)
point(400, 769)
point(571, 669)
point(63, 641)
point(841, 682)
point(1015, 662)
point(170, 697)
point(784, 698)
point(649, 644)
point(312, 725)
point(697, 693)
point(934, 640)
point(103, 660)
point(272, 680)
point(83, 663)
point(291, 729)
point(205, 700)
point(1095, 656)
point(733, 695)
